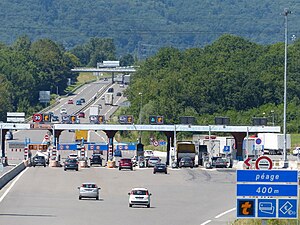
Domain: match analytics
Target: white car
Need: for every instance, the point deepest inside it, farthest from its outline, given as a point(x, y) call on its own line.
point(63, 110)
point(296, 151)
point(89, 190)
point(73, 156)
point(148, 153)
point(139, 196)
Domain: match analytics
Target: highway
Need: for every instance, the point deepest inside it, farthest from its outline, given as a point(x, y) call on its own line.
point(187, 196)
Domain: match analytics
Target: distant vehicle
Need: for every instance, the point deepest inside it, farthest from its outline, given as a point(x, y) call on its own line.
point(126, 79)
point(125, 163)
point(105, 79)
point(81, 114)
point(139, 196)
point(186, 149)
point(94, 110)
point(109, 97)
point(119, 94)
point(186, 162)
point(153, 160)
point(148, 153)
point(9, 135)
point(219, 162)
point(160, 167)
point(122, 85)
point(82, 100)
point(296, 151)
point(96, 160)
point(63, 111)
point(71, 164)
point(89, 190)
point(102, 97)
point(73, 156)
point(110, 90)
point(70, 101)
point(38, 161)
point(274, 143)
point(79, 102)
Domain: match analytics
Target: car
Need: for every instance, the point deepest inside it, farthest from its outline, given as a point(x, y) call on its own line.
point(160, 167)
point(89, 190)
point(73, 156)
point(186, 162)
point(78, 102)
point(153, 160)
point(96, 160)
point(70, 101)
point(122, 85)
point(81, 114)
point(119, 94)
point(71, 164)
point(110, 90)
point(102, 97)
point(63, 111)
point(139, 196)
point(125, 163)
point(105, 79)
point(38, 161)
point(296, 151)
point(148, 153)
point(9, 135)
point(100, 106)
point(219, 162)
point(82, 100)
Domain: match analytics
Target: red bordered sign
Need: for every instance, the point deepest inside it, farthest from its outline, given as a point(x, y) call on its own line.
point(264, 162)
point(37, 117)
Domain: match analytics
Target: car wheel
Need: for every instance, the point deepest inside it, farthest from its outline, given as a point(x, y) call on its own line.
point(131, 168)
point(44, 165)
point(77, 169)
point(148, 206)
point(166, 172)
point(130, 205)
point(120, 168)
point(33, 165)
point(192, 167)
point(65, 169)
point(154, 172)
point(97, 198)
point(79, 197)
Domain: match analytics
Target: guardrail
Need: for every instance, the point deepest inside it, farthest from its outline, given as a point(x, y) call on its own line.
point(11, 174)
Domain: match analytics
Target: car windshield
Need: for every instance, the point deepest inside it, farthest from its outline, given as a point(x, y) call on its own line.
point(71, 160)
point(139, 192)
point(89, 185)
point(186, 159)
point(126, 160)
point(154, 158)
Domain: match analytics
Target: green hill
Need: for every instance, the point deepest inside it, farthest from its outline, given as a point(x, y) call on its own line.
point(142, 27)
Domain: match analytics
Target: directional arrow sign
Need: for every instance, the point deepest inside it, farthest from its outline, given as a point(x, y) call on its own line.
point(247, 162)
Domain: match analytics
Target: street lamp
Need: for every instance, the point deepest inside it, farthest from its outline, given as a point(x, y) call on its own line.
point(140, 116)
point(286, 12)
point(273, 117)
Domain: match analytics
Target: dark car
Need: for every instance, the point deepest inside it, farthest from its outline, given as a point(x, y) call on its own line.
point(38, 161)
point(78, 102)
point(125, 163)
point(81, 115)
point(186, 162)
point(160, 167)
point(119, 94)
point(96, 160)
point(110, 90)
point(82, 100)
point(152, 161)
point(218, 162)
point(71, 164)
point(54, 118)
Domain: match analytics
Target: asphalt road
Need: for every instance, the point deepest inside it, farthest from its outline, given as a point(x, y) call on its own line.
point(187, 196)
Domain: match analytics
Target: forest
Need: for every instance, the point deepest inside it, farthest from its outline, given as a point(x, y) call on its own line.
point(232, 77)
point(141, 28)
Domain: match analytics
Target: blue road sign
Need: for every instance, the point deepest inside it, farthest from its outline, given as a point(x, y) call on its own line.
point(267, 190)
point(267, 208)
point(226, 148)
point(287, 208)
point(96, 147)
point(267, 176)
point(67, 147)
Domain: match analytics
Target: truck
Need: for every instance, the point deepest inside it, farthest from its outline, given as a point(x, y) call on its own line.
point(81, 135)
point(94, 110)
point(185, 149)
point(126, 79)
point(273, 143)
point(109, 97)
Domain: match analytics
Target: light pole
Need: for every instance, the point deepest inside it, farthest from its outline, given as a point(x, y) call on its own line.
point(286, 12)
point(273, 117)
point(140, 116)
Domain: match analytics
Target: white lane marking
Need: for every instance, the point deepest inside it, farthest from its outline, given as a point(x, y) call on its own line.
point(12, 184)
point(223, 213)
point(206, 222)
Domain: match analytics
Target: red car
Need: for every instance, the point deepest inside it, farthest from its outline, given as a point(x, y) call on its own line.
point(81, 115)
point(125, 163)
point(70, 101)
